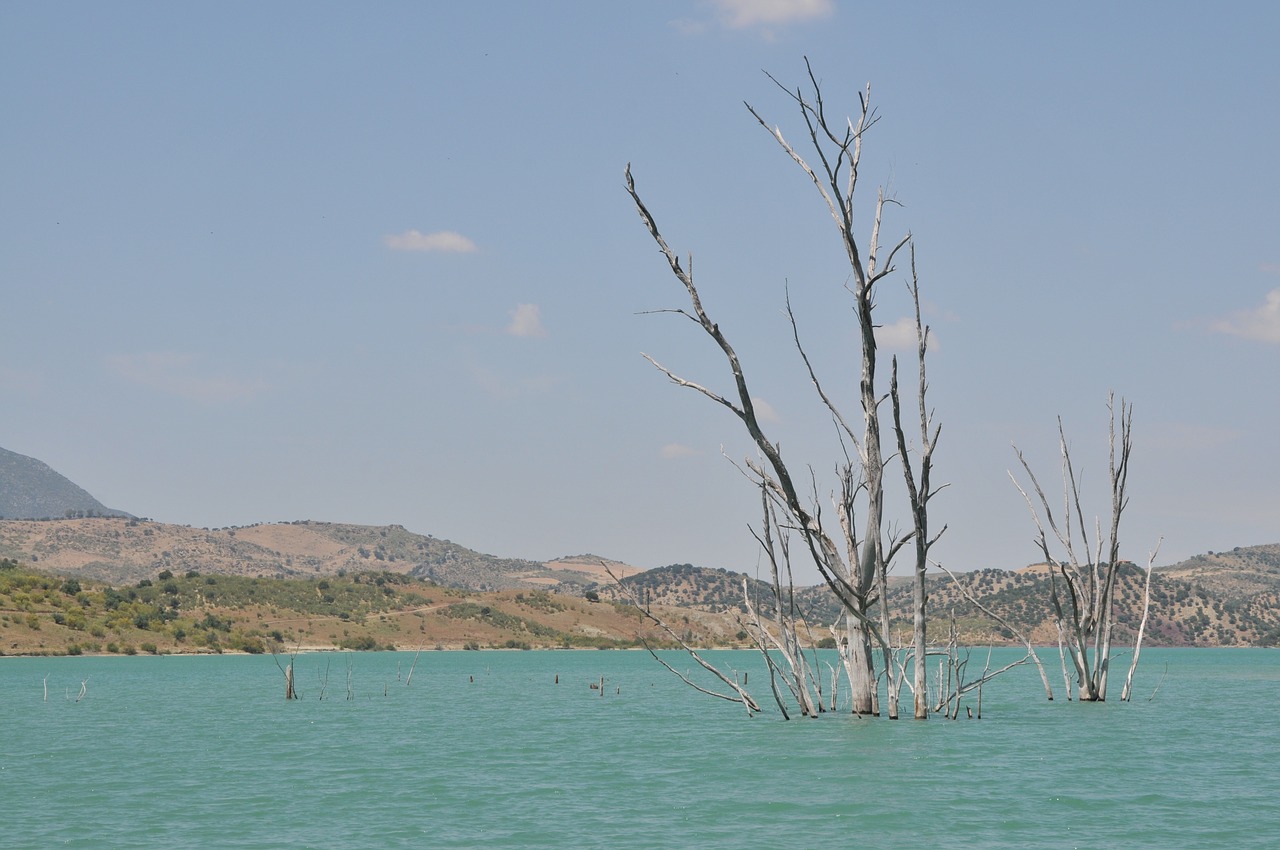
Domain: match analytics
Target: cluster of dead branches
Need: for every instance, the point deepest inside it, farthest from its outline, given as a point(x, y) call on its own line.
point(853, 552)
point(1084, 566)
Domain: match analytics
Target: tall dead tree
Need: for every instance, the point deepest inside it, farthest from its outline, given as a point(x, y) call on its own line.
point(1083, 575)
point(919, 491)
point(854, 561)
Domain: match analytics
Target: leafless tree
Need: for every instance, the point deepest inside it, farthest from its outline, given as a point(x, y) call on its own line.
point(1127, 693)
point(290, 692)
point(783, 636)
point(919, 491)
point(1083, 576)
point(853, 562)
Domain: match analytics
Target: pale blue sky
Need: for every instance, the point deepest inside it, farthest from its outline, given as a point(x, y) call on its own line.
point(374, 262)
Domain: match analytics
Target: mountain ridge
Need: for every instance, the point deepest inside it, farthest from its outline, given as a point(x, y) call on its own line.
point(31, 489)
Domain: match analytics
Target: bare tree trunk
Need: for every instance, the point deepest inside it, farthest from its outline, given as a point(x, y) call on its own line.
point(859, 669)
point(1142, 626)
point(412, 667)
point(919, 493)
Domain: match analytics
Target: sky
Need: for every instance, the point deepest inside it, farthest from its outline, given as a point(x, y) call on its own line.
point(375, 263)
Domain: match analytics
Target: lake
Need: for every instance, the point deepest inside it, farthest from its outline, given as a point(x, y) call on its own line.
point(486, 749)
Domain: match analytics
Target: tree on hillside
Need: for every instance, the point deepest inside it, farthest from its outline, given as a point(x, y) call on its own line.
point(853, 553)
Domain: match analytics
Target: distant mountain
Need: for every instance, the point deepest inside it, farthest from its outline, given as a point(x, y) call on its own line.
point(29, 489)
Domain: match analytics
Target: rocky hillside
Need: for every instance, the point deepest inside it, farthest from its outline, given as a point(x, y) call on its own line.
point(1217, 599)
point(1223, 599)
point(124, 550)
point(29, 489)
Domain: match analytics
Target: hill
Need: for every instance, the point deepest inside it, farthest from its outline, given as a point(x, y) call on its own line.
point(30, 489)
point(44, 614)
point(1217, 599)
point(121, 550)
point(1224, 599)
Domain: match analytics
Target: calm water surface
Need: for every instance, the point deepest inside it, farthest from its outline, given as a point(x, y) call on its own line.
point(485, 750)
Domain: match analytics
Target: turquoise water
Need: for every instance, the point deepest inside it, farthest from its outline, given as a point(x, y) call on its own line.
point(485, 750)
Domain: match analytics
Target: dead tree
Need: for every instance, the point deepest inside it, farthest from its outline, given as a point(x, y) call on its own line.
point(801, 677)
point(853, 563)
point(1083, 577)
point(919, 491)
point(290, 692)
point(1127, 692)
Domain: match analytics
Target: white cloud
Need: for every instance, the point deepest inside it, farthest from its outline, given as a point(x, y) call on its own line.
point(671, 451)
point(1261, 323)
point(445, 241)
point(900, 336)
point(526, 320)
point(740, 14)
point(173, 373)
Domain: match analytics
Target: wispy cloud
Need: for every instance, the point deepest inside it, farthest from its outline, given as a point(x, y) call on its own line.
point(508, 388)
point(175, 373)
point(742, 14)
point(765, 412)
point(1261, 323)
point(444, 241)
point(673, 451)
point(526, 320)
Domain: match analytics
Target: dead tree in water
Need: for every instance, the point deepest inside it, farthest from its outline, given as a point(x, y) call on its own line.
point(290, 692)
point(919, 492)
point(1082, 580)
point(852, 561)
point(1127, 693)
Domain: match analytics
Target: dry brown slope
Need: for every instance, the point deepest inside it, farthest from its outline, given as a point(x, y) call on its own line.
point(126, 550)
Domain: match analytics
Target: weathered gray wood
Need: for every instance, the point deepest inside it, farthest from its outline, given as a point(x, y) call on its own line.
point(1127, 693)
point(1082, 584)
